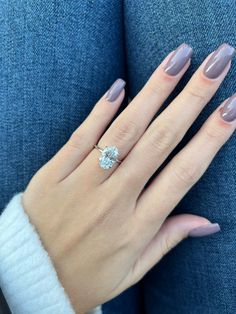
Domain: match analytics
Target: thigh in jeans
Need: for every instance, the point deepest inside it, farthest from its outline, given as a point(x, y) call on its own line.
point(199, 275)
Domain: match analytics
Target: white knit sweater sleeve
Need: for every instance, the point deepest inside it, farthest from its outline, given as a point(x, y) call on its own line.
point(27, 277)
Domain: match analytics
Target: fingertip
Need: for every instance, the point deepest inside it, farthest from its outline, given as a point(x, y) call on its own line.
point(179, 61)
point(204, 230)
point(114, 92)
point(227, 110)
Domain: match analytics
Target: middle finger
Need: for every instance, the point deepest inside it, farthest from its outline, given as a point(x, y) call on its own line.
point(169, 127)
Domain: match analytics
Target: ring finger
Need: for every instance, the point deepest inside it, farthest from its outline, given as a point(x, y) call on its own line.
point(132, 122)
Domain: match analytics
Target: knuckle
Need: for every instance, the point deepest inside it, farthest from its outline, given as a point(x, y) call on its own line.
point(194, 93)
point(127, 132)
point(126, 178)
point(156, 89)
point(162, 138)
point(168, 243)
point(186, 172)
point(215, 133)
point(77, 138)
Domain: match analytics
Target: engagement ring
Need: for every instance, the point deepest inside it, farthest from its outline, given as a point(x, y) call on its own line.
point(109, 156)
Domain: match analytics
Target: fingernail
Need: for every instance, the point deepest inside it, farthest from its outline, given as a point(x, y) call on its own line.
point(115, 90)
point(178, 60)
point(228, 111)
point(218, 61)
point(204, 230)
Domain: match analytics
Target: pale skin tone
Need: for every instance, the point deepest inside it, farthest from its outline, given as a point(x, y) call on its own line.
point(102, 229)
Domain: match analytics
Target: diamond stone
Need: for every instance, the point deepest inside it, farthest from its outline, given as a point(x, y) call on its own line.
point(108, 157)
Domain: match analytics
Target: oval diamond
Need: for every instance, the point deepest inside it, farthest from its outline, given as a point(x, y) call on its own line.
point(108, 157)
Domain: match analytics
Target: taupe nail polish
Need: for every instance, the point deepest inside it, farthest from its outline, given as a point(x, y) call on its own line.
point(228, 111)
point(218, 61)
point(115, 90)
point(178, 60)
point(204, 230)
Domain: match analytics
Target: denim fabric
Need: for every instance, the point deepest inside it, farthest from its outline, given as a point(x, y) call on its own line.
point(57, 58)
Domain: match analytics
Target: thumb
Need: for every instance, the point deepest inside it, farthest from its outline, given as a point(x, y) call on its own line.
point(172, 231)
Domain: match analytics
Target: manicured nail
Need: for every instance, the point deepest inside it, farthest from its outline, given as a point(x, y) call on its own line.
point(178, 60)
point(204, 230)
point(228, 111)
point(115, 90)
point(218, 61)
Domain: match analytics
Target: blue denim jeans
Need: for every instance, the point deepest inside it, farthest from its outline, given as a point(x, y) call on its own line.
point(57, 58)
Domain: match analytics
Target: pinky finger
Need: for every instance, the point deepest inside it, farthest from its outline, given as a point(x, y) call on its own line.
point(172, 232)
point(82, 140)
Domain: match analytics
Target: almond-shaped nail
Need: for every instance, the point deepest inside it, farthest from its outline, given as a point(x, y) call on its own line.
point(228, 111)
point(204, 230)
point(178, 59)
point(115, 90)
point(218, 61)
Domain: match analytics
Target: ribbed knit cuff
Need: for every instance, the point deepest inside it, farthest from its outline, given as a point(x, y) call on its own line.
point(27, 276)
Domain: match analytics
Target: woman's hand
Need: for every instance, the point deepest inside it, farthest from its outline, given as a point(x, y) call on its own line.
point(102, 229)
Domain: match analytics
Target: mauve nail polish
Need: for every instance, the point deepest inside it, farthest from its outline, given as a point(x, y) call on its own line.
point(218, 61)
point(115, 90)
point(178, 60)
point(228, 111)
point(204, 230)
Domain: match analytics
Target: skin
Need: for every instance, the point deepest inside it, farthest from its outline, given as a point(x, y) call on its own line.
point(102, 229)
